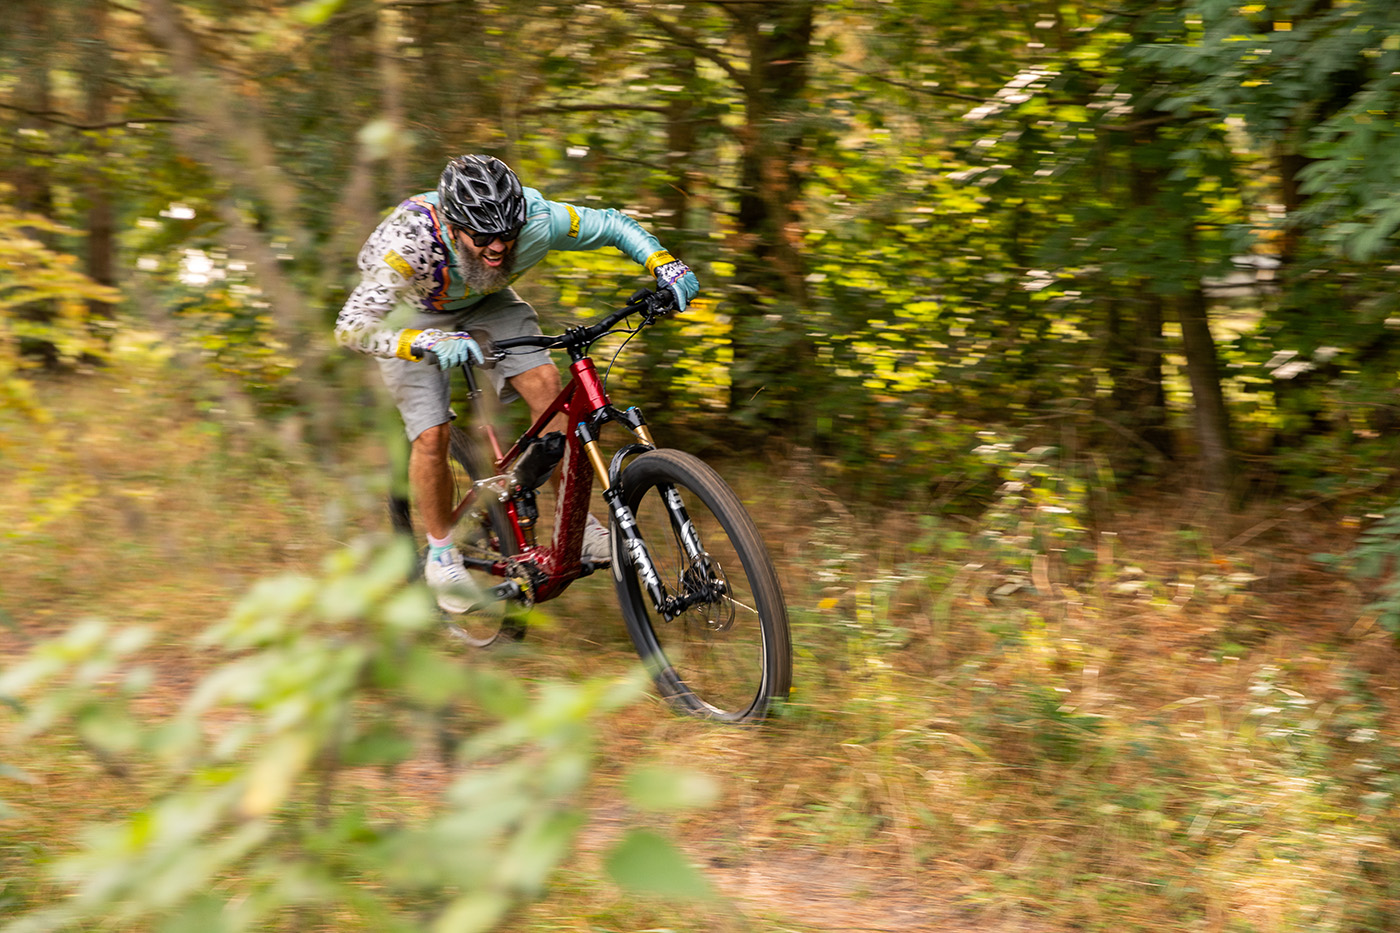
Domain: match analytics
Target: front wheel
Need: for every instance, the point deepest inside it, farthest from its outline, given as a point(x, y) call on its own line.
point(725, 653)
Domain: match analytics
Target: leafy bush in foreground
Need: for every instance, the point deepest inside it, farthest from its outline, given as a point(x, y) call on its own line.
point(263, 815)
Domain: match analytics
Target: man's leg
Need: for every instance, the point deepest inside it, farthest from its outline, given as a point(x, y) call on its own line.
point(430, 477)
point(422, 395)
point(430, 480)
point(539, 387)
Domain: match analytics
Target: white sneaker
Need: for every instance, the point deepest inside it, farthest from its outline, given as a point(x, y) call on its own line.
point(597, 543)
point(450, 582)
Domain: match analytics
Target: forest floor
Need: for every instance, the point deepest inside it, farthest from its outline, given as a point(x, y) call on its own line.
point(1189, 729)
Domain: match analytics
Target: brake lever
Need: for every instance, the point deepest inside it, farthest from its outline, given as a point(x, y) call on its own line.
point(663, 302)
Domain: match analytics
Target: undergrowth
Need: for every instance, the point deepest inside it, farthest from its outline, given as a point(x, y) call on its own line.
point(1038, 717)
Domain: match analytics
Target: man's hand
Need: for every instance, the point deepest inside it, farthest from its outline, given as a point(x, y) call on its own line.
point(676, 276)
point(451, 349)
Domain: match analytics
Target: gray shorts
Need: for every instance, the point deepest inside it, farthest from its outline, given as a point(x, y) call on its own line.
point(423, 392)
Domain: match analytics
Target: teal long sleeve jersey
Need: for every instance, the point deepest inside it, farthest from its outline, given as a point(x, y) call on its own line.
point(411, 258)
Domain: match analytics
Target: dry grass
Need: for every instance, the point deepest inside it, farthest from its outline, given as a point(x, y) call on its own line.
point(1175, 733)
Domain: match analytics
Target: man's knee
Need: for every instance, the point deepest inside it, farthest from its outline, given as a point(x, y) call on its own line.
point(537, 386)
point(541, 374)
point(432, 443)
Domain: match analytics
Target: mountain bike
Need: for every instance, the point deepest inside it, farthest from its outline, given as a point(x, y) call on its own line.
point(699, 595)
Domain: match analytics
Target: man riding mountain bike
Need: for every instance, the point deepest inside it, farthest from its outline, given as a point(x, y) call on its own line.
point(451, 255)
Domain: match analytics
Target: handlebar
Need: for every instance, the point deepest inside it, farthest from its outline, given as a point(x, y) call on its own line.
point(650, 304)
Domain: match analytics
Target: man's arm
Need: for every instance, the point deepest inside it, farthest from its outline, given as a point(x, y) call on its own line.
point(387, 271)
point(581, 228)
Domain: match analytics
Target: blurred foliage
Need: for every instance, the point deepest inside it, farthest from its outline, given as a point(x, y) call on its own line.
point(1060, 710)
point(263, 814)
point(1374, 563)
point(32, 275)
point(911, 220)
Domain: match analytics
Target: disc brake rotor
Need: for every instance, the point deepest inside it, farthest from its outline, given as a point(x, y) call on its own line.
point(704, 578)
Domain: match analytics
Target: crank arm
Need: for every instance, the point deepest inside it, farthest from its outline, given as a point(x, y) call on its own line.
point(501, 592)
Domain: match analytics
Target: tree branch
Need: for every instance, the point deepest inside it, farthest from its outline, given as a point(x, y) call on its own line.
point(58, 118)
point(1144, 123)
point(932, 92)
point(689, 40)
point(595, 108)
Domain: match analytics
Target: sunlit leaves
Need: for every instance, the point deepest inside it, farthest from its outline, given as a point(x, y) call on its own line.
point(316, 12)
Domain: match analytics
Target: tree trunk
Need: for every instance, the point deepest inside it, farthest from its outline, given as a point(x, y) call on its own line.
point(1289, 163)
point(680, 137)
point(1212, 425)
point(101, 264)
point(778, 36)
point(391, 87)
point(472, 120)
point(33, 98)
point(33, 194)
point(1138, 397)
point(1135, 340)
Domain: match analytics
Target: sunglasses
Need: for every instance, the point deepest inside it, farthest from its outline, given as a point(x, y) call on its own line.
point(486, 239)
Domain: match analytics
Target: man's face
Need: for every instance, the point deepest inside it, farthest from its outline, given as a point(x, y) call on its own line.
point(484, 268)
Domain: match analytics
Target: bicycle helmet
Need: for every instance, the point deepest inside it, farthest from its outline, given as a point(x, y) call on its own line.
point(481, 193)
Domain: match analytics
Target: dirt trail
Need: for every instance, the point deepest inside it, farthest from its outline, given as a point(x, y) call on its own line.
point(814, 890)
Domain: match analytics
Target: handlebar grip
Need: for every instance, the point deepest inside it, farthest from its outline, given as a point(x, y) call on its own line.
point(666, 301)
point(430, 357)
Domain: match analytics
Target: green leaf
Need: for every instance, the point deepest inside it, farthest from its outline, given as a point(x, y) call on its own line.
point(384, 743)
point(537, 849)
point(108, 727)
point(473, 913)
point(272, 778)
point(645, 863)
point(661, 788)
point(316, 12)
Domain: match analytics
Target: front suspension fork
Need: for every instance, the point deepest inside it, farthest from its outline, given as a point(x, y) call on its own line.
point(637, 554)
point(633, 546)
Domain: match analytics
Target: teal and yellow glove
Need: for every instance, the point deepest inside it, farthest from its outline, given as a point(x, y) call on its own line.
point(447, 349)
point(671, 273)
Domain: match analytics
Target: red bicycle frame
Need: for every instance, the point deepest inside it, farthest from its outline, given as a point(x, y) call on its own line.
point(585, 406)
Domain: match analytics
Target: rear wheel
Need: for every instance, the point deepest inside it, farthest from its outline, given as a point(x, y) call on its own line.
point(726, 654)
point(488, 537)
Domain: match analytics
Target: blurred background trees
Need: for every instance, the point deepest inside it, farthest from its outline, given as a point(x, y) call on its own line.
point(1004, 260)
point(1159, 236)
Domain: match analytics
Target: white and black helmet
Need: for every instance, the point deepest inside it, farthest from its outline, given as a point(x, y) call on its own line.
point(482, 194)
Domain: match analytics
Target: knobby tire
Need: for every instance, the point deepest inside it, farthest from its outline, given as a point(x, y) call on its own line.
point(729, 658)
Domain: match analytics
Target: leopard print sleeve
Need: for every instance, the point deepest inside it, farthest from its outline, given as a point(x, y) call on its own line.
point(394, 263)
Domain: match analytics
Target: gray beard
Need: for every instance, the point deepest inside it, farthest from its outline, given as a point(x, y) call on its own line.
point(482, 279)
